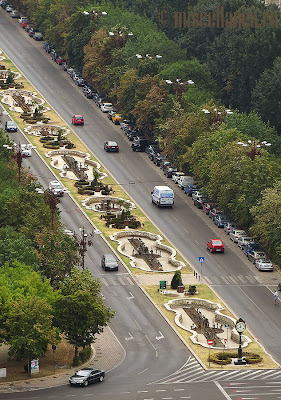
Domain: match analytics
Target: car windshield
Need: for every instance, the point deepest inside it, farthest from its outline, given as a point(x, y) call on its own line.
point(79, 118)
point(82, 373)
point(110, 260)
point(217, 242)
point(56, 185)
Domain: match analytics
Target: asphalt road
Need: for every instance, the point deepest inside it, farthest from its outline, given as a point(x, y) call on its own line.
point(184, 226)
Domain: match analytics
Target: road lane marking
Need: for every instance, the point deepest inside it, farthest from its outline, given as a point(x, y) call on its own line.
point(221, 389)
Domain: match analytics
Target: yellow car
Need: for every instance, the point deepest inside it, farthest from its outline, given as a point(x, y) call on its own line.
point(117, 118)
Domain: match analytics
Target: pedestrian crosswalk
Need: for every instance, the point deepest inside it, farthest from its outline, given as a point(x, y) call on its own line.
point(192, 371)
point(234, 280)
point(117, 280)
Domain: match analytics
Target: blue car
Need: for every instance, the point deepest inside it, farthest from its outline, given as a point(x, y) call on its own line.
point(220, 220)
point(250, 248)
point(189, 189)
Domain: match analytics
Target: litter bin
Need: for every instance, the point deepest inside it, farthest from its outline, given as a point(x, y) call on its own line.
point(180, 289)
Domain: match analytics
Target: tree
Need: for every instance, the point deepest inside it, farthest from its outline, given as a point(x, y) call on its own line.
point(30, 328)
point(266, 98)
point(57, 254)
point(176, 280)
point(80, 310)
point(267, 220)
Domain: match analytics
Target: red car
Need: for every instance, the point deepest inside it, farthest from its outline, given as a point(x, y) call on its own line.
point(77, 119)
point(25, 23)
point(215, 245)
point(60, 60)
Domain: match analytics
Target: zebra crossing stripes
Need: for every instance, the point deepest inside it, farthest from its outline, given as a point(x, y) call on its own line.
point(233, 280)
point(117, 280)
point(192, 371)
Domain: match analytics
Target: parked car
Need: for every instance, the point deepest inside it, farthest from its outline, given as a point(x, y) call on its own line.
point(207, 207)
point(158, 159)
point(80, 82)
point(215, 245)
point(140, 144)
point(24, 23)
point(85, 376)
point(77, 119)
point(9, 8)
point(111, 146)
point(264, 265)
point(117, 118)
point(220, 220)
point(57, 188)
point(109, 262)
point(38, 36)
point(256, 255)
point(250, 248)
point(243, 240)
point(235, 235)
point(47, 46)
point(123, 123)
point(184, 181)
point(20, 20)
point(213, 212)
point(164, 164)
point(195, 194)
point(189, 189)
point(133, 135)
point(15, 14)
point(199, 201)
point(31, 31)
point(60, 60)
point(152, 150)
point(27, 28)
point(26, 150)
point(11, 126)
point(3, 3)
point(169, 171)
point(106, 107)
point(177, 176)
point(228, 226)
point(110, 115)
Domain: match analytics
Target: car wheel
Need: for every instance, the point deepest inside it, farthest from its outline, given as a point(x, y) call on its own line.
point(86, 383)
point(101, 378)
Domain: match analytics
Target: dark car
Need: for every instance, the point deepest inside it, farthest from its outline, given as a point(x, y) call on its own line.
point(32, 31)
point(15, 14)
point(85, 376)
point(133, 135)
point(169, 171)
point(38, 36)
point(47, 46)
point(158, 159)
point(11, 126)
point(140, 144)
point(165, 164)
point(213, 212)
point(111, 146)
point(27, 28)
point(199, 201)
point(189, 189)
point(109, 262)
point(220, 220)
point(250, 248)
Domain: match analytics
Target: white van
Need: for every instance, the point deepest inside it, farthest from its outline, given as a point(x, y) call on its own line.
point(163, 196)
point(185, 181)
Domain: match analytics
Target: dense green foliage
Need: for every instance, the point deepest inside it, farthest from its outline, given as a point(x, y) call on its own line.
point(33, 263)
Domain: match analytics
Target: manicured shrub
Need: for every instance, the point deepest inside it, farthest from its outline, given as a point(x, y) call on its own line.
point(176, 280)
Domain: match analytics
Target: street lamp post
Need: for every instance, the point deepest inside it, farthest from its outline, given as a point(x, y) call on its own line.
point(179, 87)
point(149, 57)
point(83, 243)
point(217, 116)
point(254, 147)
point(120, 36)
point(18, 155)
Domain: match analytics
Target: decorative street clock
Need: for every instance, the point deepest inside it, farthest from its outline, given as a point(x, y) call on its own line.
point(240, 326)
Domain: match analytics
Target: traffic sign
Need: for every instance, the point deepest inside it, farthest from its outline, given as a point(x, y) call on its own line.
point(226, 325)
point(201, 259)
point(210, 342)
point(225, 340)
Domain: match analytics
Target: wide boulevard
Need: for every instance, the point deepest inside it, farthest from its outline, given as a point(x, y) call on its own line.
point(149, 359)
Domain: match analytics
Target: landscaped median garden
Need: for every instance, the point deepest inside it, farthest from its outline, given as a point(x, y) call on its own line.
point(122, 224)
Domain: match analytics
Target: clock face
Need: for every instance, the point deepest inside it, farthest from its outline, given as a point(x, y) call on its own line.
point(240, 327)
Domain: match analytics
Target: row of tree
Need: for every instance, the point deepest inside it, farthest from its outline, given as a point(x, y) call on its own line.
point(44, 296)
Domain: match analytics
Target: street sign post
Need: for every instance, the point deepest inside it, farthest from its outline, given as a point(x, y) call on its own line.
point(227, 327)
point(210, 342)
point(201, 260)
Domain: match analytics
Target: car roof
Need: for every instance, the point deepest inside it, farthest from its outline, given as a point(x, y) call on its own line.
point(112, 143)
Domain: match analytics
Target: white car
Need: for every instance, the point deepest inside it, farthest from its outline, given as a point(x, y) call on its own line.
point(26, 150)
point(20, 20)
point(229, 226)
point(264, 265)
point(106, 107)
point(177, 176)
point(235, 235)
point(243, 240)
point(57, 188)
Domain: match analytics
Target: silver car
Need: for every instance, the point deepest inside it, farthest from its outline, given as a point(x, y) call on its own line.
point(264, 265)
point(235, 235)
